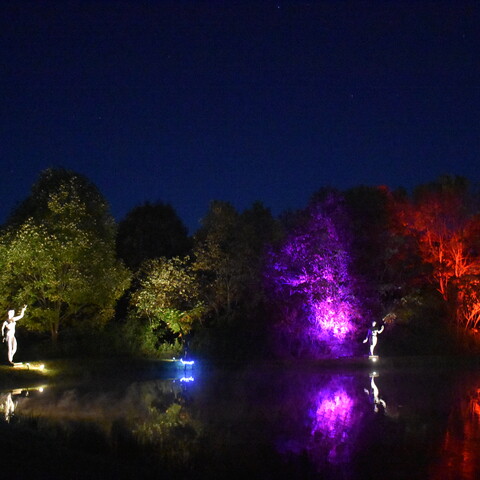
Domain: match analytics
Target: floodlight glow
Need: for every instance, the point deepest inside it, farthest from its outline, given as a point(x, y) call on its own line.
point(187, 379)
point(35, 367)
point(187, 362)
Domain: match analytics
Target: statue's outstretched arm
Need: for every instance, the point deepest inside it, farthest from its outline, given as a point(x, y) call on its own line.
point(22, 313)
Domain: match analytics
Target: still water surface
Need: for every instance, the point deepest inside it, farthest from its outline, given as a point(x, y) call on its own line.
point(259, 422)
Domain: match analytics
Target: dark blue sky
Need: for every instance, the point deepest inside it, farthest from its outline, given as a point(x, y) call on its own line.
point(186, 102)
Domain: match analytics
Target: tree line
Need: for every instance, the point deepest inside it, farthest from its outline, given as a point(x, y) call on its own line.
point(305, 283)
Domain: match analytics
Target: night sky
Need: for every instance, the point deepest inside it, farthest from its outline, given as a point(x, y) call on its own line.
point(188, 102)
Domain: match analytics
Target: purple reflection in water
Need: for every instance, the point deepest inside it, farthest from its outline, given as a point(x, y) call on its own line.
point(333, 412)
point(327, 422)
point(333, 419)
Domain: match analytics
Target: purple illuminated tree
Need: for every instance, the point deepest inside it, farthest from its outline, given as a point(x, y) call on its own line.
point(311, 284)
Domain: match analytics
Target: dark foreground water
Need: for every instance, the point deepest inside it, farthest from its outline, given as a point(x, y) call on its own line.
point(259, 422)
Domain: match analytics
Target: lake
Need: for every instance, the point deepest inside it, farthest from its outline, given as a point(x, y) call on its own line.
point(269, 421)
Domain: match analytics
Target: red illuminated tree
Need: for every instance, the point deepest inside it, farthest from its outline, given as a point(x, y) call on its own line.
point(441, 219)
point(469, 302)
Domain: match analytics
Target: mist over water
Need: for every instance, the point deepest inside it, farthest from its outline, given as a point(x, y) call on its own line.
point(267, 421)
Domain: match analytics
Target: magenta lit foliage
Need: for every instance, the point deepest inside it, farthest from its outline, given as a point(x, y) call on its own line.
point(311, 285)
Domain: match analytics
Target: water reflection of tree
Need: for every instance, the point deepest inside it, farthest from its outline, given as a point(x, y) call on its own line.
point(458, 456)
point(326, 414)
point(260, 422)
point(334, 418)
point(148, 424)
point(171, 432)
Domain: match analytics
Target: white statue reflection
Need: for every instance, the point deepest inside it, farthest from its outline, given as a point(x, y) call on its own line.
point(374, 392)
point(9, 400)
point(372, 334)
point(9, 407)
point(8, 404)
point(8, 332)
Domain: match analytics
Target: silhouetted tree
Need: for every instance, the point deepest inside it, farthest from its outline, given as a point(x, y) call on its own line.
point(151, 231)
point(380, 254)
point(229, 251)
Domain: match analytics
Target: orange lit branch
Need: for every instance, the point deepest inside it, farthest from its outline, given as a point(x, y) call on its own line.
point(469, 303)
point(447, 239)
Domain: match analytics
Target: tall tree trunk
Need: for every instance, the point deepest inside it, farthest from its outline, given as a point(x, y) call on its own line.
point(56, 323)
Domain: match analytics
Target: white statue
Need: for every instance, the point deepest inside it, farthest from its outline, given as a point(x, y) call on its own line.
point(9, 336)
point(372, 335)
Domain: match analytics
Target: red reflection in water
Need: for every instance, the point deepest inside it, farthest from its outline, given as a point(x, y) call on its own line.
point(458, 457)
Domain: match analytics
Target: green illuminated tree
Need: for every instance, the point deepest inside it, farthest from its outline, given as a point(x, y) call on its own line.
point(67, 187)
point(168, 295)
point(61, 259)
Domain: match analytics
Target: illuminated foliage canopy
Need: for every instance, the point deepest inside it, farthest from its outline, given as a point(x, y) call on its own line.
point(60, 260)
point(168, 295)
point(446, 228)
point(311, 282)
